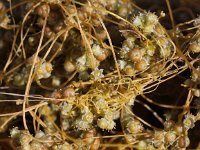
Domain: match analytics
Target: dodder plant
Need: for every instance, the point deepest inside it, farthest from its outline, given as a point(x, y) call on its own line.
point(78, 66)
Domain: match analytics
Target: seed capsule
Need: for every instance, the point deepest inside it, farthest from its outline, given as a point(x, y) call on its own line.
point(69, 66)
point(101, 57)
point(30, 60)
point(55, 81)
point(68, 92)
point(135, 54)
point(170, 137)
point(100, 53)
point(95, 145)
point(56, 94)
point(48, 32)
point(101, 34)
point(183, 142)
point(43, 10)
point(134, 126)
point(178, 128)
point(197, 92)
point(88, 136)
point(129, 70)
point(141, 65)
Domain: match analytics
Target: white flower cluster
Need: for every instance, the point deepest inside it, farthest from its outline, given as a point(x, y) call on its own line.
point(146, 22)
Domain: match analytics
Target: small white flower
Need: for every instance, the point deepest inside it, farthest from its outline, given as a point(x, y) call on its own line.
point(189, 121)
point(104, 123)
point(82, 125)
point(66, 108)
point(122, 64)
point(97, 50)
point(81, 63)
point(152, 18)
point(43, 70)
point(97, 74)
point(101, 104)
point(138, 21)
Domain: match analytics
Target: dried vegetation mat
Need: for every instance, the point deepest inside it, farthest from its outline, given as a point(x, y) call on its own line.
point(73, 71)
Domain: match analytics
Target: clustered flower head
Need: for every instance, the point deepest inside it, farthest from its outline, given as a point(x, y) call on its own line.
point(42, 70)
point(136, 54)
point(88, 60)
